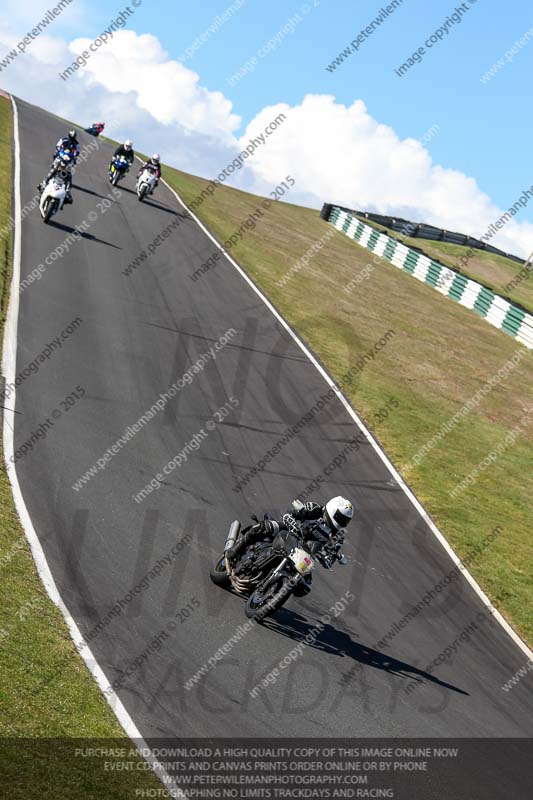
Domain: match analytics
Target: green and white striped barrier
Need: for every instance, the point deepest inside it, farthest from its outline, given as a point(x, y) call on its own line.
point(493, 308)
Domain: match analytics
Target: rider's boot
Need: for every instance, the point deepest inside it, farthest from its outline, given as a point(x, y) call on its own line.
point(241, 543)
point(234, 551)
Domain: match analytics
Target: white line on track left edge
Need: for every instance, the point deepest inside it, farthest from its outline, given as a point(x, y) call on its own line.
point(9, 363)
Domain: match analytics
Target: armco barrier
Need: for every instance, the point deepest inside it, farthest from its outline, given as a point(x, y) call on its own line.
point(494, 309)
point(423, 231)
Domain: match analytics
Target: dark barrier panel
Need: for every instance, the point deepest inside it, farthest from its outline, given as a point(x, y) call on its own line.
point(326, 211)
point(423, 231)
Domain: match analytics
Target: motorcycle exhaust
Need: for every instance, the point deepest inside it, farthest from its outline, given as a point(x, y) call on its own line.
point(235, 529)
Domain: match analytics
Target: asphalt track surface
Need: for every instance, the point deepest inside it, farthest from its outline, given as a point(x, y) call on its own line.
point(140, 333)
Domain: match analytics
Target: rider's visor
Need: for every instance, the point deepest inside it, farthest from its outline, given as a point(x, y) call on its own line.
point(341, 519)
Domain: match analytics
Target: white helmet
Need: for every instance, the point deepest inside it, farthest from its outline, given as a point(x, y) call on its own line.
point(156, 157)
point(128, 144)
point(339, 512)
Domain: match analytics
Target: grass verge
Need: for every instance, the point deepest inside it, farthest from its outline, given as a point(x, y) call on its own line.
point(439, 358)
point(48, 696)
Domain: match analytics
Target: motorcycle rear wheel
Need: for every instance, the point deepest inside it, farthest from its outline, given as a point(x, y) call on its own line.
point(218, 573)
point(263, 603)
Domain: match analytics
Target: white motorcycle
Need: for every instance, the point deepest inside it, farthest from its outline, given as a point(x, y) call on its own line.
point(145, 183)
point(53, 196)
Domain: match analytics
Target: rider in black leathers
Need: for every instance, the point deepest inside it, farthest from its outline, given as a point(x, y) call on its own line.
point(64, 171)
point(125, 150)
point(323, 540)
point(69, 142)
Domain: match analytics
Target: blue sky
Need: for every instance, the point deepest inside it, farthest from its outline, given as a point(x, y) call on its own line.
point(484, 129)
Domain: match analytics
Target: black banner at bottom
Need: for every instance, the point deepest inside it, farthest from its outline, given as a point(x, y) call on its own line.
point(237, 769)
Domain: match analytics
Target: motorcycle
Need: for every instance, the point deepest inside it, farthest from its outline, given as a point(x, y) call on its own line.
point(270, 572)
point(65, 156)
point(119, 167)
point(95, 129)
point(145, 183)
point(53, 196)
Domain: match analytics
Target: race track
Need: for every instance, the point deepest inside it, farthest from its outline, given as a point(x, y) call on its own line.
point(140, 333)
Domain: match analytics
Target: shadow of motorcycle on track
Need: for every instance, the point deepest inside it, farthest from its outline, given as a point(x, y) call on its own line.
point(335, 642)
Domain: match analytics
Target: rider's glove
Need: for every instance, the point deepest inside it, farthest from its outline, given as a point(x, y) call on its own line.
point(290, 523)
point(325, 561)
point(269, 527)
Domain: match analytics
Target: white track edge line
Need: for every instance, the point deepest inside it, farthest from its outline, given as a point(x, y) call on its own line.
point(329, 380)
point(9, 364)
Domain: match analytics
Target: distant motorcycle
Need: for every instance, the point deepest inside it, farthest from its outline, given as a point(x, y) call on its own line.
point(270, 572)
point(54, 195)
point(119, 167)
point(146, 182)
point(95, 129)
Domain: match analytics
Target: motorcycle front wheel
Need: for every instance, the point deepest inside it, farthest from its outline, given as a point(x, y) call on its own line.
point(268, 597)
point(49, 209)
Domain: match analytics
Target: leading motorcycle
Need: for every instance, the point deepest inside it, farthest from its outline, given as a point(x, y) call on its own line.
point(53, 196)
point(269, 572)
point(56, 192)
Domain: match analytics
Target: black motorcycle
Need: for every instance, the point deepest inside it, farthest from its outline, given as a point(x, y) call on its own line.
point(269, 572)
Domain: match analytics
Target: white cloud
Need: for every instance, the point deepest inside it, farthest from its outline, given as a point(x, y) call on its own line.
point(170, 92)
point(49, 50)
point(335, 152)
point(129, 82)
point(342, 155)
point(22, 17)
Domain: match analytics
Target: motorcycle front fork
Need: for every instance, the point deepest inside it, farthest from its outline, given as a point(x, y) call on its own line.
point(280, 566)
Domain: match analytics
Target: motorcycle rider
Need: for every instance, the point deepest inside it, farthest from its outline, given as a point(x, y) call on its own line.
point(59, 168)
point(324, 539)
point(125, 150)
point(154, 165)
point(97, 127)
point(69, 142)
